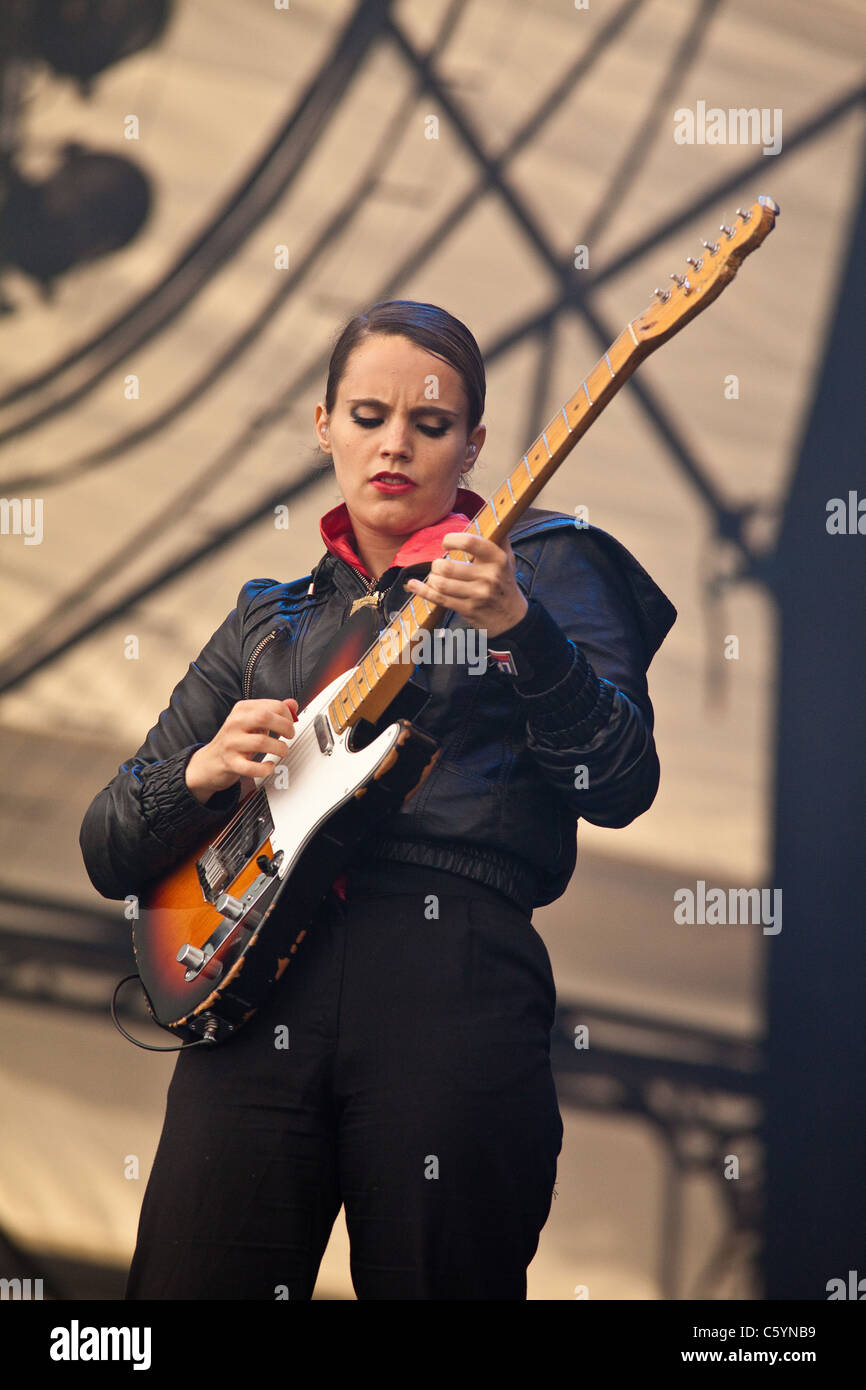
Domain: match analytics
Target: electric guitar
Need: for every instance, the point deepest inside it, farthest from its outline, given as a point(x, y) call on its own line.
point(215, 933)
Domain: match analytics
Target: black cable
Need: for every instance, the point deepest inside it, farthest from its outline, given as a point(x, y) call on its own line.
point(148, 1047)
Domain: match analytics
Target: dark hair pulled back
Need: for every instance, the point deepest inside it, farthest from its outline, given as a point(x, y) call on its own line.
point(432, 328)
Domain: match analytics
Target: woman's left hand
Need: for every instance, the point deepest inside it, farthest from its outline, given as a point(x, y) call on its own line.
point(483, 591)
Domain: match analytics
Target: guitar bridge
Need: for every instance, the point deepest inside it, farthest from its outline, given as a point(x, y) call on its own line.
point(221, 863)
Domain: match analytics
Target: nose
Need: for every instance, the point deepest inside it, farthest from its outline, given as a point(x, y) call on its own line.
point(397, 440)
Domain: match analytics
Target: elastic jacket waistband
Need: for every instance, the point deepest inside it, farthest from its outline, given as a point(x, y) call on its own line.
point(512, 877)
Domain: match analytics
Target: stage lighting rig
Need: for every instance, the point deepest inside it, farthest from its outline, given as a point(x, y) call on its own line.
point(94, 201)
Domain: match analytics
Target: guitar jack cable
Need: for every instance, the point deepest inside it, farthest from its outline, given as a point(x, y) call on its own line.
point(209, 1035)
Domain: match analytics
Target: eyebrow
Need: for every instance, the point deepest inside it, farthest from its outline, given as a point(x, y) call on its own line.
point(418, 410)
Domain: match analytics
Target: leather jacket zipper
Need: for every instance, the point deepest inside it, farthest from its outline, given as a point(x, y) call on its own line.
point(293, 658)
point(375, 598)
point(254, 656)
point(303, 624)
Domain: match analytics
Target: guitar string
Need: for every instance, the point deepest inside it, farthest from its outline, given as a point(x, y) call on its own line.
point(299, 754)
point(257, 803)
point(238, 830)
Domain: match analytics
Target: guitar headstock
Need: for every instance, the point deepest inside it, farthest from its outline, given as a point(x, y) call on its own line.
point(707, 274)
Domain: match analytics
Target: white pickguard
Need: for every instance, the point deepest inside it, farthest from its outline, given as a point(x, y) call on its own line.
point(316, 783)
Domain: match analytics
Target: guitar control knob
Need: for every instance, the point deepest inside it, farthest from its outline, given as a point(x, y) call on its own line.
point(191, 956)
point(230, 907)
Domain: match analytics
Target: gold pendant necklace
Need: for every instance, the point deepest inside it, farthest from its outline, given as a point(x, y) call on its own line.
point(368, 598)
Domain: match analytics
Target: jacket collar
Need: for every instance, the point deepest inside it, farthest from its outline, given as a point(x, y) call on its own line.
point(425, 544)
point(654, 611)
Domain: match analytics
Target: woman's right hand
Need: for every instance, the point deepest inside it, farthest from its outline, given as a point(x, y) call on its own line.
point(219, 764)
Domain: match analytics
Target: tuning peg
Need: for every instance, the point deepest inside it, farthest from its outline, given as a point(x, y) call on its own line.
point(745, 213)
point(695, 264)
point(711, 246)
point(664, 295)
point(767, 202)
point(683, 283)
point(729, 230)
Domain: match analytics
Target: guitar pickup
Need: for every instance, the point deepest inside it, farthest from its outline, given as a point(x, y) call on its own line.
point(323, 733)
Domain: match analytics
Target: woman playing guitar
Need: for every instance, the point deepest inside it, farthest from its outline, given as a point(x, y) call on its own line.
point(401, 1066)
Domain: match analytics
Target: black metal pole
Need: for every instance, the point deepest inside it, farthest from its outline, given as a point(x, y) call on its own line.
point(816, 1102)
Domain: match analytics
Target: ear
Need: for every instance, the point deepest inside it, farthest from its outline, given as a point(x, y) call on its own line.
point(321, 426)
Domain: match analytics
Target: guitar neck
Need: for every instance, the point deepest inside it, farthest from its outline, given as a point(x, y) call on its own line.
point(386, 666)
point(557, 439)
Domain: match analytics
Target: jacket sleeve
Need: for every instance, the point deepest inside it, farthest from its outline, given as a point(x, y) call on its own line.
point(139, 826)
point(580, 677)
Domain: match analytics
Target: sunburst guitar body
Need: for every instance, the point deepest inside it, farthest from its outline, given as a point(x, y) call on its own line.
point(216, 932)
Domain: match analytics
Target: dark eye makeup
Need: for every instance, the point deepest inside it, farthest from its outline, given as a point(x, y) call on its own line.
point(371, 421)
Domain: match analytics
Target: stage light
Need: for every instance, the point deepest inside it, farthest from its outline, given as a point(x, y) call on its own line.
point(92, 204)
point(81, 38)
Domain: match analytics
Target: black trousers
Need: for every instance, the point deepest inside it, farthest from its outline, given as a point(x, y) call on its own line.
point(400, 1067)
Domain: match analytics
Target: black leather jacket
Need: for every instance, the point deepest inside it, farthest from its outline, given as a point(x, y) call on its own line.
point(561, 729)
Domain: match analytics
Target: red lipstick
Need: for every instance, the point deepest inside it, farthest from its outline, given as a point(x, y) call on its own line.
point(400, 484)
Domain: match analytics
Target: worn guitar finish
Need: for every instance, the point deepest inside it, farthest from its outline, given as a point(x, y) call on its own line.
point(216, 933)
